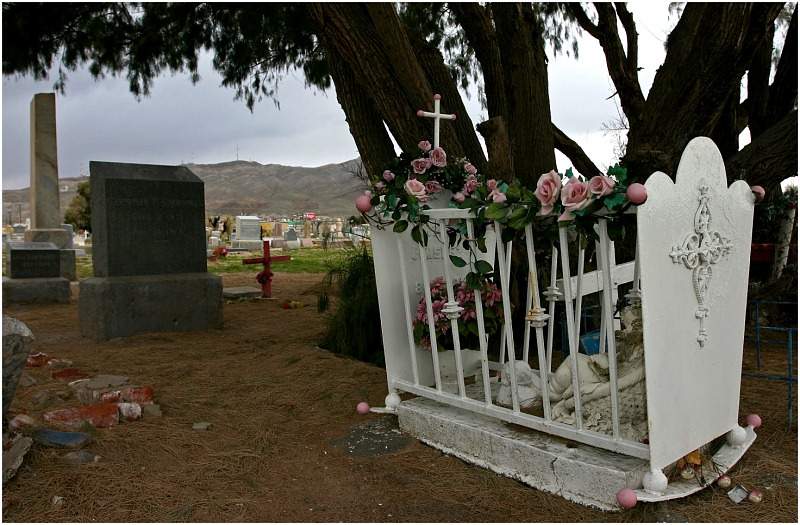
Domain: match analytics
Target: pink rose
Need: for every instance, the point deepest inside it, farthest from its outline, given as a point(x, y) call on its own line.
point(415, 188)
point(547, 190)
point(601, 185)
point(491, 185)
point(433, 187)
point(575, 196)
point(471, 184)
point(424, 145)
point(470, 169)
point(459, 197)
point(498, 196)
point(420, 165)
point(388, 176)
point(438, 157)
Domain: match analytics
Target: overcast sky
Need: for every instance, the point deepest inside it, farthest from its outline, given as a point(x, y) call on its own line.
point(180, 122)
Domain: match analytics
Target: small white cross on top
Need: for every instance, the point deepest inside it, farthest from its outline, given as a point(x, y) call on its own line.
point(436, 116)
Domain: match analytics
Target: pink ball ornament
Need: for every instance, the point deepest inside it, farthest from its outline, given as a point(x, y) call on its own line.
point(637, 193)
point(362, 408)
point(755, 496)
point(363, 203)
point(724, 482)
point(753, 420)
point(437, 97)
point(420, 112)
point(759, 192)
point(626, 498)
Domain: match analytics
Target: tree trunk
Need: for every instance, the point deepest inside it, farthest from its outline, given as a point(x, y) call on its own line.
point(707, 55)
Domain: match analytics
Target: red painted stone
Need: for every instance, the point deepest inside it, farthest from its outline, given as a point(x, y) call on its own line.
point(100, 415)
point(132, 394)
point(68, 374)
point(36, 360)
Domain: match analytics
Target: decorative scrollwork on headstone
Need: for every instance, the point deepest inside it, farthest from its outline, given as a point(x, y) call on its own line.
point(698, 251)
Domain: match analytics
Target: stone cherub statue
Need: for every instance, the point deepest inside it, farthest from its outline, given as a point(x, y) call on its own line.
point(594, 384)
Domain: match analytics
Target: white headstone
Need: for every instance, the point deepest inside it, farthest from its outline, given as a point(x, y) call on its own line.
point(694, 240)
point(248, 228)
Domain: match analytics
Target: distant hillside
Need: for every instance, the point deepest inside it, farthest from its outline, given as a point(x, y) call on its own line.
point(242, 187)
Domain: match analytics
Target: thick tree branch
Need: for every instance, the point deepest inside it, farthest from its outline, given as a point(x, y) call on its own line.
point(477, 24)
point(758, 84)
point(783, 92)
point(770, 158)
point(580, 160)
point(622, 69)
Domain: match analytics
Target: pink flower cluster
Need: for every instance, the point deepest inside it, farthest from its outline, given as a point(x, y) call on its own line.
point(470, 184)
point(575, 194)
point(422, 191)
point(464, 296)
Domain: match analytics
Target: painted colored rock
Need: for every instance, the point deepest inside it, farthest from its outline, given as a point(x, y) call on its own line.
point(100, 415)
point(38, 359)
point(69, 374)
point(21, 421)
point(56, 438)
point(132, 394)
point(80, 457)
point(130, 411)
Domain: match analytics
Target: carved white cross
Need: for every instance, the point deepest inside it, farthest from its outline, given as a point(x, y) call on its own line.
point(436, 116)
point(698, 252)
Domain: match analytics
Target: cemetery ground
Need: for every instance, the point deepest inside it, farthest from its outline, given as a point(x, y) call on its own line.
point(285, 438)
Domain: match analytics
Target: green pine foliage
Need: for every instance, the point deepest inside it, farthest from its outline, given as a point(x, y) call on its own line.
point(350, 295)
point(79, 211)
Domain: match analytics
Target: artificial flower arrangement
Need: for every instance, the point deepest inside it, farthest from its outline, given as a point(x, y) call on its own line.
point(409, 184)
point(468, 324)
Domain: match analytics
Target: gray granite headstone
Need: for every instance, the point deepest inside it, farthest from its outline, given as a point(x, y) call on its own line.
point(30, 260)
point(146, 220)
point(248, 228)
point(290, 235)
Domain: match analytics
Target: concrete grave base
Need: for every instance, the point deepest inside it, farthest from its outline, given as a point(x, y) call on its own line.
point(67, 262)
point(237, 292)
point(248, 245)
point(58, 236)
point(35, 290)
point(111, 307)
point(579, 473)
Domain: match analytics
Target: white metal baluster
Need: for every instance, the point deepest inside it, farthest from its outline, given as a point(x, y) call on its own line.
point(552, 298)
point(528, 304)
point(504, 280)
point(452, 310)
point(540, 346)
point(437, 375)
point(578, 292)
point(412, 346)
point(573, 347)
point(487, 387)
point(503, 340)
point(608, 312)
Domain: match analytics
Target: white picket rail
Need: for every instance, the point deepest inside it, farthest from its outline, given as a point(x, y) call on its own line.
point(569, 289)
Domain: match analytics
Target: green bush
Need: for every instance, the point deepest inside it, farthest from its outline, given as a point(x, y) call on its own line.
point(354, 324)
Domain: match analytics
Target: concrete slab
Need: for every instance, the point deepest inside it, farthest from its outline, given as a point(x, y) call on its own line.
point(238, 292)
point(35, 290)
point(579, 473)
point(376, 437)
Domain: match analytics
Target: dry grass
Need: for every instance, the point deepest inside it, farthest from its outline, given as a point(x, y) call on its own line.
point(276, 404)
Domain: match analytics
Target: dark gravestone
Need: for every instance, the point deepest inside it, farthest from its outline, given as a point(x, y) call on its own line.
point(149, 254)
point(290, 235)
point(146, 220)
point(30, 260)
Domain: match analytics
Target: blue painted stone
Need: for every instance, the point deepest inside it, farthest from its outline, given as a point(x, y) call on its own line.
point(55, 438)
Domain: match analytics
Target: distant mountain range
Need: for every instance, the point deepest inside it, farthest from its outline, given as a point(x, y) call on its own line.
point(244, 187)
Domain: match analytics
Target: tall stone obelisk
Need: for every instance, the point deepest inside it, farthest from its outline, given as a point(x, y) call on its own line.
point(45, 208)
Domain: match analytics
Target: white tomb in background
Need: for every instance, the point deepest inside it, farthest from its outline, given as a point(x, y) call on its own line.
point(248, 232)
point(690, 276)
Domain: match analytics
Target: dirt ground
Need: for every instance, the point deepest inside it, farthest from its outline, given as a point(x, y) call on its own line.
point(278, 405)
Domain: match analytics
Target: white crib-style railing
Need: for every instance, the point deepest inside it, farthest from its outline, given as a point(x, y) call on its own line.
point(568, 288)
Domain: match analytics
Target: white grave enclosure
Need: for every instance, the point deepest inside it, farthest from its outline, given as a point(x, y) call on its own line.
point(678, 349)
